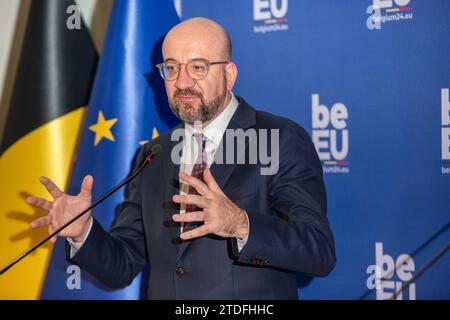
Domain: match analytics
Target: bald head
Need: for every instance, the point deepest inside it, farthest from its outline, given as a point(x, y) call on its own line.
point(185, 49)
point(199, 34)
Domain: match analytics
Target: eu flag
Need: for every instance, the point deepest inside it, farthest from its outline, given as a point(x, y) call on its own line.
point(128, 107)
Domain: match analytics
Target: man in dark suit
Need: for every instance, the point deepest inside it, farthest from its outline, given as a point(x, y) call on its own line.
point(222, 226)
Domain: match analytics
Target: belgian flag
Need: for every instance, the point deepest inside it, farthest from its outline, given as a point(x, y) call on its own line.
point(52, 88)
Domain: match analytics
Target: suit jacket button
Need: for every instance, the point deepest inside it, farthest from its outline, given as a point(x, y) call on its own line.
point(179, 271)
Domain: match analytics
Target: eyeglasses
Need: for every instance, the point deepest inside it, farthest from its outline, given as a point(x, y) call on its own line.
point(197, 69)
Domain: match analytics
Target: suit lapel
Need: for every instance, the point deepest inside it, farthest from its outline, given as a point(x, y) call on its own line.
point(244, 118)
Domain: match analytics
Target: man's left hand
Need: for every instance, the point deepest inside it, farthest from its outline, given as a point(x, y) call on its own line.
point(220, 215)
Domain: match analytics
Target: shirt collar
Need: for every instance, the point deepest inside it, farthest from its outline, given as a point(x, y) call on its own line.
point(215, 130)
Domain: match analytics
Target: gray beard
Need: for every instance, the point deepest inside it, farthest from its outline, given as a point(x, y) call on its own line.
point(207, 111)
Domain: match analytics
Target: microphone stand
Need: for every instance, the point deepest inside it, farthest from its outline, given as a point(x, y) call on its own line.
point(422, 270)
point(155, 150)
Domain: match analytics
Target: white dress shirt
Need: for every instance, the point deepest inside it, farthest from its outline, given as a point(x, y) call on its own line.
point(213, 134)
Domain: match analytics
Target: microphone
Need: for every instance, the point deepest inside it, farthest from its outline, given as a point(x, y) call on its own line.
point(147, 159)
point(427, 265)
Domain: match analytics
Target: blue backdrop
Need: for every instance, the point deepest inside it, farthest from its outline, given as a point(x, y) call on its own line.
point(369, 79)
point(369, 84)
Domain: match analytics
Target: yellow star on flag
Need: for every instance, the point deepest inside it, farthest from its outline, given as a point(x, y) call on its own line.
point(155, 135)
point(102, 128)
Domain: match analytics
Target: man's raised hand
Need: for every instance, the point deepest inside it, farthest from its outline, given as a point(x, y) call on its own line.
point(63, 208)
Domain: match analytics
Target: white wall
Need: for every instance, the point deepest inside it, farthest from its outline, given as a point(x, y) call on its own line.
point(8, 17)
point(9, 10)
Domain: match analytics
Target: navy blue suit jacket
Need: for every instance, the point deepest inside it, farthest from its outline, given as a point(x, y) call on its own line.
point(289, 230)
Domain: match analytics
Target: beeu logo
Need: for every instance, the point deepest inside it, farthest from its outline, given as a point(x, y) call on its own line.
point(330, 134)
point(270, 16)
point(269, 9)
point(384, 273)
point(382, 11)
